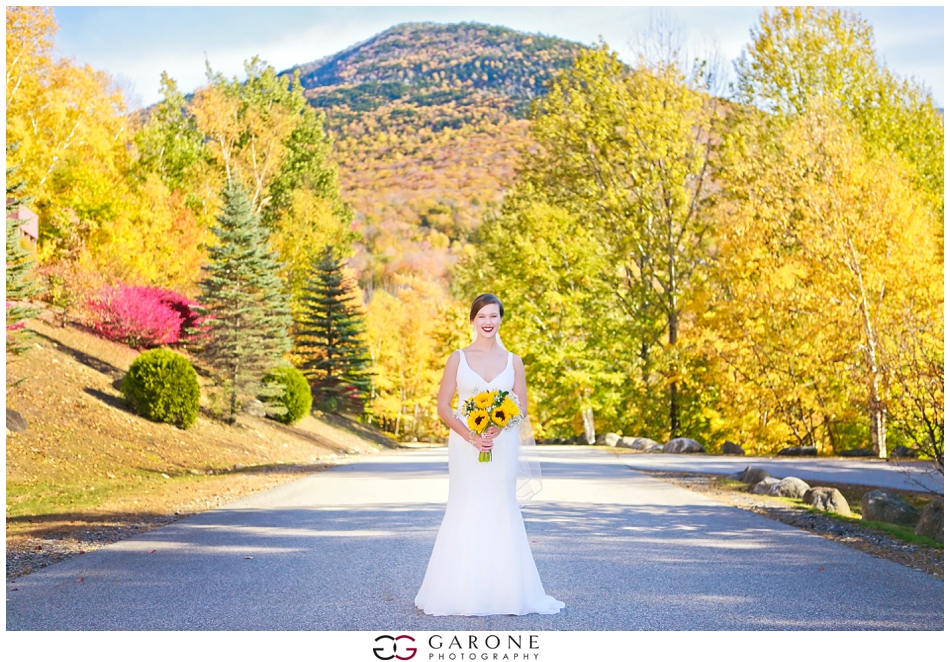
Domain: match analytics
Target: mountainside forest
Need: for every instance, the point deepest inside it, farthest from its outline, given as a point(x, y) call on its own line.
point(427, 122)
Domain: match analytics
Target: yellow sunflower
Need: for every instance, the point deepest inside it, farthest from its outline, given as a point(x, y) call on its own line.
point(483, 400)
point(500, 417)
point(510, 408)
point(478, 421)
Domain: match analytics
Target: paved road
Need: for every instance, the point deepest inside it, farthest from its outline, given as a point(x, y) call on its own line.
point(346, 549)
point(906, 475)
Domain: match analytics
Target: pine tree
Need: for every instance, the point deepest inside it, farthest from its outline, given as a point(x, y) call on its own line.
point(247, 314)
point(330, 340)
point(20, 282)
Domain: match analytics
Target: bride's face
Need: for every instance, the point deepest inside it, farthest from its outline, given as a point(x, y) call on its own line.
point(487, 320)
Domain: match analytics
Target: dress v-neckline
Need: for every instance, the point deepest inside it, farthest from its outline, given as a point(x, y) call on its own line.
point(472, 370)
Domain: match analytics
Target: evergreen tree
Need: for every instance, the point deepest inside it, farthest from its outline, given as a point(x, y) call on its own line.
point(247, 315)
point(331, 339)
point(20, 282)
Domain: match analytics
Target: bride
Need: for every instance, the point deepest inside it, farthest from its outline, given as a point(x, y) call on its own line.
point(481, 563)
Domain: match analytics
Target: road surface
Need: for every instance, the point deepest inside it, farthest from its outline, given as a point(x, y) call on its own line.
point(346, 549)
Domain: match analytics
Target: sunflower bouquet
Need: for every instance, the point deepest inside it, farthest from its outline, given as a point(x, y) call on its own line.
point(498, 408)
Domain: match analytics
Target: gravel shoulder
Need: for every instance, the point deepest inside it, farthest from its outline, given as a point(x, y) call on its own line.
point(870, 541)
point(35, 542)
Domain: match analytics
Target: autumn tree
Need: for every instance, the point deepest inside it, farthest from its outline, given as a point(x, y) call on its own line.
point(171, 145)
point(822, 246)
point(627, 152)
point(98, 209)
point(548, 269)
point(263, 132)
point(411, 330)
point(801, 54)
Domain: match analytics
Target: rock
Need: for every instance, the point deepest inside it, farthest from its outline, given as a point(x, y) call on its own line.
point(15, 421)
point(238, 467)
point(884, 506)
point(799, 451)
point(611, 438)
point(790, 488)
point(729, 448)
point(764, 485)
point(683, 445)
point(599, 440)
point(903, 452)
point(828, 499)
point(858, 452)
point(752, 475)
point(255, 408)
point(639, 444)
point(931, 521)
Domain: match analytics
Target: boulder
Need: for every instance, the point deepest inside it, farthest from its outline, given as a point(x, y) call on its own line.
point(764, 485)
point(884, 506)
point(828, 499)
point(858, 452)
point(902, 452)
point(790, 488)
point(611, 438)
point(931, 521)
point(729, 448)
point(15, 421)
point(255, 408)
point(639, 444)
point(799, 451)
point(683, 445)
point(752, 475)
point(599, 440)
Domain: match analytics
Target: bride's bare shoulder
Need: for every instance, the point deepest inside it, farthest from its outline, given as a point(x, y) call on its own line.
point(453, 361)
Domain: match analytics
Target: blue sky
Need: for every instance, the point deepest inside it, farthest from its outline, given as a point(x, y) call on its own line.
point(135, 44)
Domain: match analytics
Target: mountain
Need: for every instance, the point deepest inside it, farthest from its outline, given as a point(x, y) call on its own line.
point(427, 121)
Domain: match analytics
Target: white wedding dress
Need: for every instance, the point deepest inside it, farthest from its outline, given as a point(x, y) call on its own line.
point(481, 563)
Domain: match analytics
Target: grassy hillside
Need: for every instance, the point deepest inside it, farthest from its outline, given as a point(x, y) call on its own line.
point(88, 469)
point(427, 121)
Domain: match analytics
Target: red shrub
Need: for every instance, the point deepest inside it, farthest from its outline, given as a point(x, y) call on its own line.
point(141, 316)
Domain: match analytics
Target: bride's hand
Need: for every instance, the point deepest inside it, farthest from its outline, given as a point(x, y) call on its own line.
point(483, 442)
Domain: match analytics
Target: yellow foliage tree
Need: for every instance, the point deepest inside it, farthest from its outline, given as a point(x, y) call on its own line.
point(75, 133)
point(821, 249)
point(411, 332)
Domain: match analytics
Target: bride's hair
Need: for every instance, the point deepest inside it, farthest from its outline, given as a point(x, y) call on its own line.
point(483, 300)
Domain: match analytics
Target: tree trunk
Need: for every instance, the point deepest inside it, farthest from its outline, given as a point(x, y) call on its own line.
point(674, 393)
point(876, 406)
point(878, 428)
point(587, 415)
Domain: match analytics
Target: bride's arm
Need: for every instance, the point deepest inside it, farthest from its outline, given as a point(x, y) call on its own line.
point(520, 388)
point(444, 399)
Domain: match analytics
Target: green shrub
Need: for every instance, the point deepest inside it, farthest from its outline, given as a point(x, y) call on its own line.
point(162, 385)
point(296, 398)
